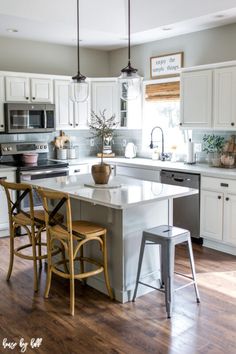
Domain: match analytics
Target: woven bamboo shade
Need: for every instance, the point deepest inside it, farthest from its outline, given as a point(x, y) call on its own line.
point(164, 91)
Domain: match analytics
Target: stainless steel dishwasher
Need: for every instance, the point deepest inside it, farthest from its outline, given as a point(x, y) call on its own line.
point(186, 210)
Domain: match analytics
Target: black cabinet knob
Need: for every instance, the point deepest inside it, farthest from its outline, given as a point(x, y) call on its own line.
point(71, 124)
point(180, 123)
point(227, 199)
point(232, 124)
point(33, 98)
point(27, 98)
point(219, 197)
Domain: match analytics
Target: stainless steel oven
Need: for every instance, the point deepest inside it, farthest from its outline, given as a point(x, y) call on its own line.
point(29, 175)
point(29, 118)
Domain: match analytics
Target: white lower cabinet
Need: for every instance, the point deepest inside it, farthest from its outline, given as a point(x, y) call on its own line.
point(218, 210)
point(4, 221)
point(139, 173)
point(78, 169)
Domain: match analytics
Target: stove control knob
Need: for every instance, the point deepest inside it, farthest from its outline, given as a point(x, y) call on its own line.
point(5, 149)
point(41, 146)
point(45, 146)
point(9, 148)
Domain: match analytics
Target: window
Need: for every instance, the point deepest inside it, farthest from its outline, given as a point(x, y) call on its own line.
point(161, 108)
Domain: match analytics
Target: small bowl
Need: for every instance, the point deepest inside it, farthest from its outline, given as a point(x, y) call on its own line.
point(30, 158)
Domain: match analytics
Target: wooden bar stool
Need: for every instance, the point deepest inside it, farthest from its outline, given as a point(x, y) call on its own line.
point(32, 221)
point(72, 235)
point(167, 237)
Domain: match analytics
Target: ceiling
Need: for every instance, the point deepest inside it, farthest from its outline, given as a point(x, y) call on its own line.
point(103, 23)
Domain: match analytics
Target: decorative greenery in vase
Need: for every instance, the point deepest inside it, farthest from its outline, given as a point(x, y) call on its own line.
point(102, 128)
point(213, 143)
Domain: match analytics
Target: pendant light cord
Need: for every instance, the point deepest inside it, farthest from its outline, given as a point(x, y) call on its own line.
point(128, 32)
point(78, 53)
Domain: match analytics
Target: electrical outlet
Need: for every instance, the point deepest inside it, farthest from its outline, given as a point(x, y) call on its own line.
point(124, 142)
point(197, 147)
point(91, 142)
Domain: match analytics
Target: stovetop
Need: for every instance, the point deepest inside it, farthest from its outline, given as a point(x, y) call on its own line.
point(39, 165)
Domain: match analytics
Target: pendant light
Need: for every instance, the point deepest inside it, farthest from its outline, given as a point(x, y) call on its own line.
point(129, 80)
point(79, 88)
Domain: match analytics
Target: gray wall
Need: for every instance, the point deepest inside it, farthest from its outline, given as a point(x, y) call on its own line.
point(204, 47)
point(46, 58)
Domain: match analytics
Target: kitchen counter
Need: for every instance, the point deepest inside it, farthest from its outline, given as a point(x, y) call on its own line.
point(132, 192)
point(125, 212)
point(7, 168)
point(201, 168)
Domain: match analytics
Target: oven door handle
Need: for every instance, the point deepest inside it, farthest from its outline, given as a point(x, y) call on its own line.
point(41, 172)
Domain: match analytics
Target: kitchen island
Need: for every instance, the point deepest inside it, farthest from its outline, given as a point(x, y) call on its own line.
point(126, 208)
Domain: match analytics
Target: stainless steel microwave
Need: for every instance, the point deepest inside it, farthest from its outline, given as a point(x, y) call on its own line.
point(29, 118)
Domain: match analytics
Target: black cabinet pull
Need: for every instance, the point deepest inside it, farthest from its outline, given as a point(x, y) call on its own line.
point(71, 124)
point(227, 199)
point(2, 126)
point(224, 185)
point(232, 124)
point(76, 171)
point(33, 98)
point(219, 197)
point(27, 98)
point(180, 123)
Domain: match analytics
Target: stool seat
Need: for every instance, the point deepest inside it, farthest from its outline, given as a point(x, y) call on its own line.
point(80, 229)
point(166, 231)
point(167, 237)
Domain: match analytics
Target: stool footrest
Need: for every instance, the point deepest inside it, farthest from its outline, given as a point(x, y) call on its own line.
point(152, 287)
point(185, 286)
point(183, 275)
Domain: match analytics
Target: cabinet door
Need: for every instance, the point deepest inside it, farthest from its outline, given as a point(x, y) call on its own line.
point(63, 105)
point(41, 90)
point(196, 99)
point(81, 115)
point(4, 221)
point(230, 219)
point(2, 99)
point(224, 98)
point(105, 96)
point(17, 89)
point(211, 214)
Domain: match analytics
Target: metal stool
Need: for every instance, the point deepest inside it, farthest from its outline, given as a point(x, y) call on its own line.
point(167, 237)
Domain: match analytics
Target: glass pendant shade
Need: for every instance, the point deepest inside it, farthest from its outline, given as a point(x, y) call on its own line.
point(130, 84)
point(79, 88)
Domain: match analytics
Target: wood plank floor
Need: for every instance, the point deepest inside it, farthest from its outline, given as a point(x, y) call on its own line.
point(102, 326)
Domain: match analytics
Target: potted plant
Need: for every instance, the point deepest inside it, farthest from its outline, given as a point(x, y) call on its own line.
point(103, 129)
point(213, 145)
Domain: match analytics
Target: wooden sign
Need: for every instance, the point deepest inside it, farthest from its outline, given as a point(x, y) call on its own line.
point(166, 65)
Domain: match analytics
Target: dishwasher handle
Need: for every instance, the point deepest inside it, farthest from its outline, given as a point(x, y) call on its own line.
point(177, 179)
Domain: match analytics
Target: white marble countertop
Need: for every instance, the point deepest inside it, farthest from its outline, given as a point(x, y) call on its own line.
point(7, 168)
point(131, 193)
point(201, 168)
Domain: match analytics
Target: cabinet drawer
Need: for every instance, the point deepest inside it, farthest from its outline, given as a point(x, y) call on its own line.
point(218, 184)
point(78, 169)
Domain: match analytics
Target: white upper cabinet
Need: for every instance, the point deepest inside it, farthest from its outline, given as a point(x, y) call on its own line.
point(69, 115)
point(17, 89)
point(224, 98)
point(26, 89)
point(196, 99)
point(41, 90)
point(64, 106)
point(2, 98)
point(105, 96)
